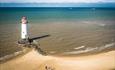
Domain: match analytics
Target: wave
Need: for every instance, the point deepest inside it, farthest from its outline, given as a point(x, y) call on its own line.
point(80, 47)
point(11, 55)
point(90, 49)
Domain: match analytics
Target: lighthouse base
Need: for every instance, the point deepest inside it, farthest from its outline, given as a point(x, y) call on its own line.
point(24, 41)
point(27, 43)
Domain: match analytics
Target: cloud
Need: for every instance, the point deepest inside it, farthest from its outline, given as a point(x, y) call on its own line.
point(56, 1)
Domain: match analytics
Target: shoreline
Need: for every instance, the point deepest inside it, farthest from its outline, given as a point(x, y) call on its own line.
point(87, 53)
point(34, 61)
point(14, 55)
point(25, 51)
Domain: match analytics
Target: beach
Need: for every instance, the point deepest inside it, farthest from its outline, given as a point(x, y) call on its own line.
point(35, 61)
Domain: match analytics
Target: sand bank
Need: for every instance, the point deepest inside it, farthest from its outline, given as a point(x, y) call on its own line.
point(35, 61)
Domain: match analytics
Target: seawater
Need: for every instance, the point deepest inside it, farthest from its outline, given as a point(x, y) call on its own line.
point(69, 27)
point(42, 14)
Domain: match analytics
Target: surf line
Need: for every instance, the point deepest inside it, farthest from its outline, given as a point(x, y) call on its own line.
point(4, 58)
point(90, 49)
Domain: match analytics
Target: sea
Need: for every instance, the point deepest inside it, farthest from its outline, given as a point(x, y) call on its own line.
point(73, 30)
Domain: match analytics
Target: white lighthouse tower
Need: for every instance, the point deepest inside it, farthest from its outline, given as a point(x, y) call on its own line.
point(24, 34)
point(25, 41)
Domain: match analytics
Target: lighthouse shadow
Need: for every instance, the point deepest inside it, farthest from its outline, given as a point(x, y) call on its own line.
point(39, 37)
point(37, 46)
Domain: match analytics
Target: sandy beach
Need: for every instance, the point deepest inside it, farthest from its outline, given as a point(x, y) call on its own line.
point(35, 61)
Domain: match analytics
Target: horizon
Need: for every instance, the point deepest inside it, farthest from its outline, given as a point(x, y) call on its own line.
point(58, 4)
point(56, 1)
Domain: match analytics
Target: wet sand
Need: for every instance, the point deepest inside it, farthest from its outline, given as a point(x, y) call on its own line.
point(34, 61)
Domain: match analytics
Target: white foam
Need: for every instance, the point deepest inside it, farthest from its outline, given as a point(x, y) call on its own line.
point(80, 51)
point(109, 45)
point(102, 25)
point(90, 49)
point(106, 46)
point(10, 56)
point(79, 47)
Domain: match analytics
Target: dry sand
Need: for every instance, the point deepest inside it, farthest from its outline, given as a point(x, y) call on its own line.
point(34, 61)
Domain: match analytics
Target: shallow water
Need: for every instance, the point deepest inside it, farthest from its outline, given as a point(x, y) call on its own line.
point(66, 37)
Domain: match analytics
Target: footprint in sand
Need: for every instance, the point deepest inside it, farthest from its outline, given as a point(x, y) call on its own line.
point(49, 68)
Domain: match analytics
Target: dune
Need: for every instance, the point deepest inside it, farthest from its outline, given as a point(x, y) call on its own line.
point(35, 61)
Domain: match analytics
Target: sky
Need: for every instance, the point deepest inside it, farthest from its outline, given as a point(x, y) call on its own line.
point(56, 1)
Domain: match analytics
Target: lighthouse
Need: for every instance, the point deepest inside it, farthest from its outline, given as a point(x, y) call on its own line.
point(25, 41)
point(24, 34)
